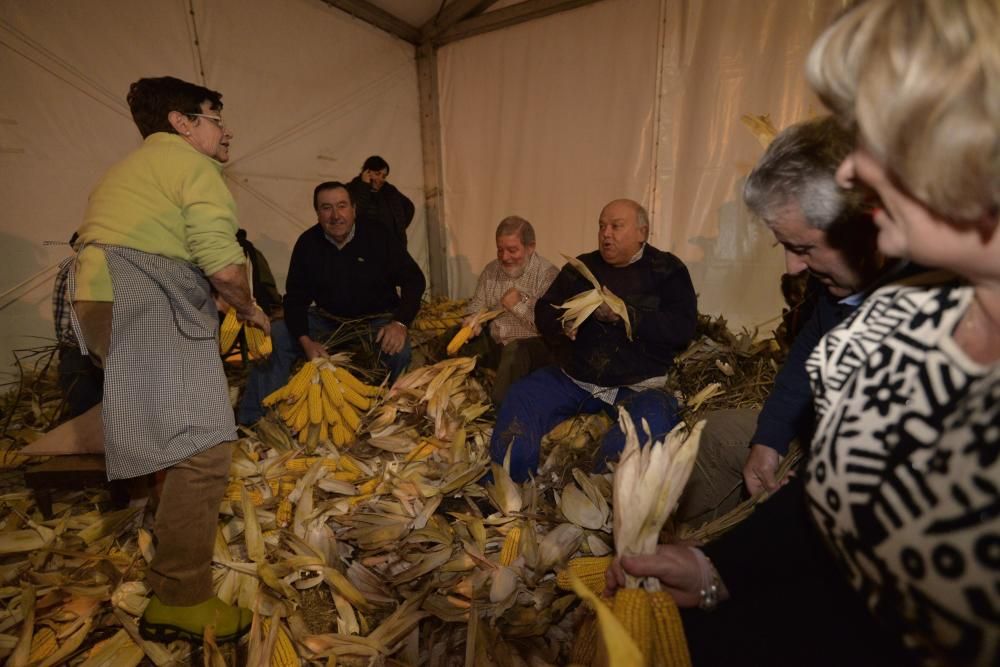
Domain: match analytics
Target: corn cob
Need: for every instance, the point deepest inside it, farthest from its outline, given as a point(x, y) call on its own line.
point(585, 644)
point(590, 570)
point(331, 387)
point(632, 607)
point(348, 379)
point(303, 464)
point(234, 494)
point(511, 546)
point(330, 414)
point(283, 516)
point(350, 417)
point(301, 417)
point(670, 647)
point(348, 464)
point(312, 439)
point(229, 330)
point(279, 394)
point(459, 340)
point(347, 475)
point(259, 343)
point(283, 654)
point(299, 384)
point(354, 398)
point(315, 404)
point(340, 435)
point(303, 435)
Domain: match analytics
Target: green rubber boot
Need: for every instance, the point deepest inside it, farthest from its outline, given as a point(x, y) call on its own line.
point(165, 623)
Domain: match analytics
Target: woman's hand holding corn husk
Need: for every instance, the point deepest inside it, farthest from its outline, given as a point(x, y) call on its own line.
point(647, 484)
point(600, 302)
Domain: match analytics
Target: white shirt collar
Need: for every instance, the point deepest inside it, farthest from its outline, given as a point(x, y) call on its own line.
point(350, 237)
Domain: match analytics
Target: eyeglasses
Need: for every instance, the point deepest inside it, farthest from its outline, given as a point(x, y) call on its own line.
point(215, 119)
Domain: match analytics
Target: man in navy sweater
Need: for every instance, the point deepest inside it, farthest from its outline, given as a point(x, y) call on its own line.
point(347, 270)
point(829, 233)
point(606, 368)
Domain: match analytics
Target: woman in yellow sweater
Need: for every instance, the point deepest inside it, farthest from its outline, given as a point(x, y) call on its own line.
point(159, 233)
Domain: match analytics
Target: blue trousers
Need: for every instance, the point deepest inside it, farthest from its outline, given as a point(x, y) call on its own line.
point(270, 374)
point(537, 403)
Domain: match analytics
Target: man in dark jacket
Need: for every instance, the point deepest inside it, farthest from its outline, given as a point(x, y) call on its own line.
point(828, 233)
point(606, 368)
point(379, 201)
point(347, 270)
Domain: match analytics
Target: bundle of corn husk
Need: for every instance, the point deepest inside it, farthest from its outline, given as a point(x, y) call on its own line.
point(721, 369)
point(582, 306)
point(647, 485)
point(439, 314)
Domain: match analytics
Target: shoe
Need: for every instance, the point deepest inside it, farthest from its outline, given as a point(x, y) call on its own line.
point(165, 623)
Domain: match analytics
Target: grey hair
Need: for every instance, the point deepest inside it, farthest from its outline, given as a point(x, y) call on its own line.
point(641, 216)
point(517, 225)
point(800, 165)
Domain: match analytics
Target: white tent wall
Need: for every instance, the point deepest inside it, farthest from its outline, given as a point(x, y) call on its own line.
point(309, 92)
point(549, 120)
point(553, 118)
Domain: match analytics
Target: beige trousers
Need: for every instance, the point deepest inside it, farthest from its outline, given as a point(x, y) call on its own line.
point(188, 511)
point(716, 483)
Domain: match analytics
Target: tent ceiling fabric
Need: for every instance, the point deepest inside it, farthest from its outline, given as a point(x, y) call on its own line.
point(309, 92)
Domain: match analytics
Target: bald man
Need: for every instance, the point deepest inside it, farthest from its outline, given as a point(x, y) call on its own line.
point(605, 369)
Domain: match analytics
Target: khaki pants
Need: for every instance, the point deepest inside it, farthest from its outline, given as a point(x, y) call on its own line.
point(188, 510)
point(716, 483)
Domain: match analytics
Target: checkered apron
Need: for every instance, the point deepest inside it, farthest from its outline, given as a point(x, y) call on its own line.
point(165, 393)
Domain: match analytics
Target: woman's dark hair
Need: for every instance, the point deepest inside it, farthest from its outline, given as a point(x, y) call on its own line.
point(151, 100)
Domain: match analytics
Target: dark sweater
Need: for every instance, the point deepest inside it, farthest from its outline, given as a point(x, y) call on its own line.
point(788, 412)
point(662, 308)
point(357, 281)
point(387, 206)
point(790, 601)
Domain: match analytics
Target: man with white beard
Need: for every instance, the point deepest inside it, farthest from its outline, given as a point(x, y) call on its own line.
point(512, 282)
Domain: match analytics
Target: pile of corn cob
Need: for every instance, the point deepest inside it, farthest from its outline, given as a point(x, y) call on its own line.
point(439, 315)
point(321, 402)
point(258, 343)
point(387, 549)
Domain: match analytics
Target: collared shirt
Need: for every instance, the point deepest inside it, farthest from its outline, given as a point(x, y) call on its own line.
point(519, 322)
point(340, 246)
point(60, 308)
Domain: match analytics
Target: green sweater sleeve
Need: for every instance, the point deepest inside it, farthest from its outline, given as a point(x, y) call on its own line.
point(209, 214)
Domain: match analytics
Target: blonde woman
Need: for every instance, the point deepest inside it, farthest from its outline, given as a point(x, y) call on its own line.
point(903, 475)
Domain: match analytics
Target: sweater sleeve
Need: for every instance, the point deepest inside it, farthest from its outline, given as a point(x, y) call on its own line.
point(209, 218)
point(788, 411)
point(298, 291)
point(406, 274)
point(675, 318)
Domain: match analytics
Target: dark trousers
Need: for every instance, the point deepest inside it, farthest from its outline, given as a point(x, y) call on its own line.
point(511, 361)
point(537, 403)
